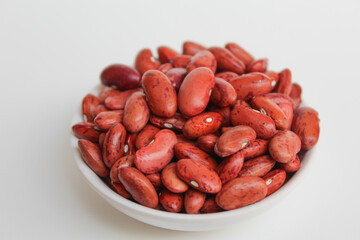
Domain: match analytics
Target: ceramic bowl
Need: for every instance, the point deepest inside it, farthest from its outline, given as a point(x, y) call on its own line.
point(181, 221)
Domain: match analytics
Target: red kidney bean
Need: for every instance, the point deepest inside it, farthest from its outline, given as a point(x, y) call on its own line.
point(295, 94)
point(176, 77)
point(145, 61)
point(171, 181)
point(280, 98)
point(129, 147)
point(274, 180)
point(230, 167)
point(240, 192)
point(252, 84)
point(257, 167)
point(227, 76)
point(97, 110)
point(263, 125)
point(291, 166)
point(117, 101)
point(85, 130)
point(175, 122)
point(91, 155)
point(193, 201)
point(120, 189)
point(227, 61)
point(113, 147)
point(172, 202)
point(224, 112)
point(146, 136)
point(191, 48)
point(233, 140)
point(166, 53)
point(164, 68)
point(284, 146)
point(258, 66)
point(102, 139)
point(188, 150)
point(107, 92)
point(155, 156)
point(138, 186)
point(202, 124)
point(160, 94)
point(155, 180)
point(207, 143)
point(255, 148)
point(126, 161)
point(284, 84)
point(202, 58)
point(223, 94)
point(88, 105)
point(273, 75)
point(270, 108)
point(240, 53)
point(120, 76)
point(136, 113)
point(180, 61)
point(306, 126)
point(198, 175)
point(105, 120)
point(210, 206)
point(194, 92)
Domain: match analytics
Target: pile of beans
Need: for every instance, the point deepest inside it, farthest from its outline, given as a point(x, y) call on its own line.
point(204, 131)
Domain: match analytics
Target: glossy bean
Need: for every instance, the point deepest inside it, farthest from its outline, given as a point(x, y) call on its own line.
point(198, 176)
point(256, 148)
point(105, 120)
point(223, 94)
point(145, 61)
point(210, 206)
point(117, 101)
point(171, 181)
point(233, 140)
point(166, 53)
point(180, 61)
point(263, 125)
point(240, 53)
point(88, 105)
point(202, 58)
point(204, 123)
point(230, 167)
point(138, 186)
point(284, 84)
point(207, 143)
point(195, 90)
point(306, 126)
point(274, 180)
point(193, 201)
point(291, 166)
point(126, 161)
point(172, 202)
point(188, 150)
point(284, 146)
point(146, 136)
point(175, 122)
point(227, 61)
point(136, 113)
point(252, 84)
point(259, 65)
point(257, 167)
point(240, 192)
point(155, 156)
point(86, 130)
point(120, 76)
point(113, 147)
point(191, 48)
point(161, 96)
point(91, 155)
point(176, 77)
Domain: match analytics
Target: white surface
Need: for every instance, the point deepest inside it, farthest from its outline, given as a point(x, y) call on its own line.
point(52, 52)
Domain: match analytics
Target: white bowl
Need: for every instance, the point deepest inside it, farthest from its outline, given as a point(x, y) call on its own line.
point(181, 221)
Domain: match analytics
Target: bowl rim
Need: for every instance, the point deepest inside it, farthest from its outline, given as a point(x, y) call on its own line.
point(100, 187)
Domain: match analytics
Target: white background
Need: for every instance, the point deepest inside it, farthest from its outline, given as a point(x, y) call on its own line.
point(51, 54)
